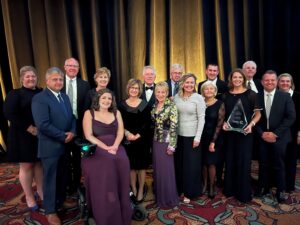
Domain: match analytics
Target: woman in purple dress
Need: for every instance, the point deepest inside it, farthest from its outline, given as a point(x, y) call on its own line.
point(165, 118)
point(107, 172)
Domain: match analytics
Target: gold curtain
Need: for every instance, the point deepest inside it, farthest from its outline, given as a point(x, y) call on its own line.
point(158, 39)
point(187, 44)
point(137, 36)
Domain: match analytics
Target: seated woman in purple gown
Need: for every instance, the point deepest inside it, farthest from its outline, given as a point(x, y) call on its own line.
point(106, 173)
point(165, 117)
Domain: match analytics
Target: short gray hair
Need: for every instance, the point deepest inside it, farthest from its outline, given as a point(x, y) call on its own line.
point(149, 67)
point(53, 70)
point(249, 62)
point(176, 66)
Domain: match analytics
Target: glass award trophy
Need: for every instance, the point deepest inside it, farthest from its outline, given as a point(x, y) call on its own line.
point(237, 120)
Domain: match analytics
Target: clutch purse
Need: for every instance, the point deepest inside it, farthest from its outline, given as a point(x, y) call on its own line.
point(86, 147)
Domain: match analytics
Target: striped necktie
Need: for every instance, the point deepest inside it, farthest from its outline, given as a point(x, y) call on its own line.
point(70, 91)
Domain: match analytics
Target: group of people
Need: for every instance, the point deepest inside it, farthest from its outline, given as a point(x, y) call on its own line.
point(187, 136)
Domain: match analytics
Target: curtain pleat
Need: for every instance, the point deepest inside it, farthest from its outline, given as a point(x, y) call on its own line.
point(158, 39)
point(137, 36)
point(231, 29)
point(95, 20)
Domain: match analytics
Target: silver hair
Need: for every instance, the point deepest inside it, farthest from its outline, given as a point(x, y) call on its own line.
point(53, 70)
point(249, 62)
point(176, 66)
point(149, 67)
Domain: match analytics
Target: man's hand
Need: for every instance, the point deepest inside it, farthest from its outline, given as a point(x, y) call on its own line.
point(69, 137)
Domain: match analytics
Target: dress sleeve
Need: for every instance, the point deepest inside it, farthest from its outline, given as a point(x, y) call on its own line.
point(173, 126)
point(221, 116)
point(200, 110)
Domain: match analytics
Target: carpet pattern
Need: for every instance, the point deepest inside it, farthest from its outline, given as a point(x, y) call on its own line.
point(221, 210)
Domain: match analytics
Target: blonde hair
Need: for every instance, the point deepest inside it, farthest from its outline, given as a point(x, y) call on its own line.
point(182, 80)
point(162, 84)
point(101, 71)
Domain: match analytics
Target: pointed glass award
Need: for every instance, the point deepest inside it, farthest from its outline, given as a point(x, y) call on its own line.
point(237, 120)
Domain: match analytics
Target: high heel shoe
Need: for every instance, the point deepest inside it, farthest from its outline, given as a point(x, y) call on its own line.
point(34, 208)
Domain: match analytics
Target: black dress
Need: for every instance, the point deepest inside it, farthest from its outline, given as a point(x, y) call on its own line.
point(22, 146)
point(238, 153)
point(137, 120)
point(214, 117)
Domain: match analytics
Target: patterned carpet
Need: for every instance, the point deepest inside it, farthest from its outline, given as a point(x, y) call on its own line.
point(219, 211)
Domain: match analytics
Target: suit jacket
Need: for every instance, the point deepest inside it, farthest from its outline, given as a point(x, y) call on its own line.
point(221, 85)
point(52, 122)
point(296, 125)
point(258, 85)
point(170, 87)
point(82, 88)
point(282, 116)
point(152, 100)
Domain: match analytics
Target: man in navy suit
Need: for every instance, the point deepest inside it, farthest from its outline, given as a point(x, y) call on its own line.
point(76, 89)
point(56, 125)
point(278, 114)
point(176, 72)
point(249, 68)
point(149, 75)
point(212, 72)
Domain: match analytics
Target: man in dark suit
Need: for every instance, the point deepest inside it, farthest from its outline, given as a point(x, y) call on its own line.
point(278, 114)
point(76, 89)
point(149, 75)
point(55, 121)
point(249, 68)
point(212, 72)
point(176, 72)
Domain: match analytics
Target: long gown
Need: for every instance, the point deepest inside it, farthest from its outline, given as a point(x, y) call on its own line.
point(107, 179)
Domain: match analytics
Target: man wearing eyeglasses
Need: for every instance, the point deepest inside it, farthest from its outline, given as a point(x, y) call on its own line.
point(176, 72)
point(76, 89)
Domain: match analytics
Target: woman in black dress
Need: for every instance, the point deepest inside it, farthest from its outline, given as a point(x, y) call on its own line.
point(211, 138)
point(101, 78)
point(286, 84)
point(22, 134)
point(136, 116)
point(106, 173)
point(238, 153)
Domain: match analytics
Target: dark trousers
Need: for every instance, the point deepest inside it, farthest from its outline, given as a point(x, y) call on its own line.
point(271, 162)
point(74, 167)
point(188, 166)
point(238, 155)
point(291, 165)
point(54, 182)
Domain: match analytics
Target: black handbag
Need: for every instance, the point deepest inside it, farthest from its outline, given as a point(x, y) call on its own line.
point(86, 147)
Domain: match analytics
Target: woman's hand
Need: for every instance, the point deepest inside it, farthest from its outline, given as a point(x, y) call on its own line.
point(211, 147)
point(113, 149)
point(248, 129)
point(225, 126)
point(196, 144)
point(170, 150)
point(32, 130)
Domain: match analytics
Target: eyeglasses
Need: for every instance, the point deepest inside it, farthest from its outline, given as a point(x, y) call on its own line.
point(73, 66)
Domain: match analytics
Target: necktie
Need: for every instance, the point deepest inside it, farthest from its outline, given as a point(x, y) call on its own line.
point(176, 86)
point(268, 108)
point(149, 88)
point(70, 92)
point(62, 104)
point(249, 85)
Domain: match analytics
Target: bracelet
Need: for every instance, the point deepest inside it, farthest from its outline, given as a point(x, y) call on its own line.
point(253, 123)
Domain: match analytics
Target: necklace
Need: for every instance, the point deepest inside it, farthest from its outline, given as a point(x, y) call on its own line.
point(209, 103)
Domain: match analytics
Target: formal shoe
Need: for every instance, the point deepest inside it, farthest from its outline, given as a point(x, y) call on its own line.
point(34, 208)
point(280, 197)
point(53, 219)
point(261, 192)
point(186, 200)
point(69, 204)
